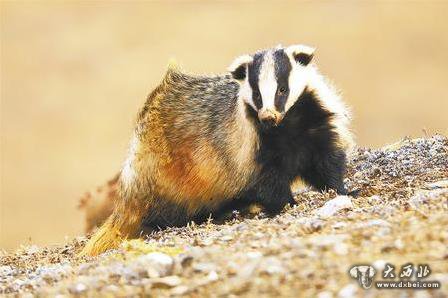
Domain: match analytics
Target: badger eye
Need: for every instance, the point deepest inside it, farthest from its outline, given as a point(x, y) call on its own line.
point(282, 90)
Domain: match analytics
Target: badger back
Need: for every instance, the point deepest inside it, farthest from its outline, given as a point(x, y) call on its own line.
point(197, 130)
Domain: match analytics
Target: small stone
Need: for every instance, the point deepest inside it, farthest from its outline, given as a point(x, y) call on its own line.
point(372, 222)
point(438, 184)
point(341, 249)
point(19, 282)
point(54, 272)
point(325, 294)
point(272, 266)
point(348, 291)
point(226, 238)
point(296, 243)
point(333, 206)
point(399, 244)
point(157, 264)
point(212, 276)
point(247, 270)
point(112, 288)
point(327, 240)
point(311, 225)
point(232, 268)
point(241, 227)
point(196, 252)
point(254, 255)
point(379, 265)
point(442, 277)
point(84, 268)
point(339, 225)
point(167, 281)
point(78, 288)
point(6, 270)
point(373, 200)
point(422, 294)
point(204, 267)
point(206, 242)
point(357, 175)
point(258, 235)
point(184, 260)
point(179, 290)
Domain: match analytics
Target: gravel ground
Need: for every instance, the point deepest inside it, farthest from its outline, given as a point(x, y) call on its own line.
point(399, 217)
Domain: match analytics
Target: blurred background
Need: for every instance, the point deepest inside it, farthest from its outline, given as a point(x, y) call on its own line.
point(74, 74)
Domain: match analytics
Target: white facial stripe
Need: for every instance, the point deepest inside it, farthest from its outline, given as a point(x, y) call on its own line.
point(298, 80)
point(267, 82)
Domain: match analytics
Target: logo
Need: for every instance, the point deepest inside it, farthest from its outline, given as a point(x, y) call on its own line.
point(364, 274)
point(409, 277)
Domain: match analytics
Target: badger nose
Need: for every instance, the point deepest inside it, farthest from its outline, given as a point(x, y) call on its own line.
point(269, 117)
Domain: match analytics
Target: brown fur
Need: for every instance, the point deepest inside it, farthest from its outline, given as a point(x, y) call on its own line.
point(171, 158)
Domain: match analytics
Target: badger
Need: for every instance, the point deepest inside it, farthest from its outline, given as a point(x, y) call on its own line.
point(202, 144)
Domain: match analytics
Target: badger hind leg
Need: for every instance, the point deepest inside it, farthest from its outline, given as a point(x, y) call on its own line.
point(108, 236)
point(123, 223)
point(165, 214)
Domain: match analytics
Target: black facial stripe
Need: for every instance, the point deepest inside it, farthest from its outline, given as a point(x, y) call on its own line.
point(282, 70)
point(254, 73)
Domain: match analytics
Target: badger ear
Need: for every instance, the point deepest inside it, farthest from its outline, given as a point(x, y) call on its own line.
point(238, 68)
point(301, 53)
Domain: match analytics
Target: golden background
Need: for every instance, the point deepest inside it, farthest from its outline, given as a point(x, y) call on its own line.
point(74, 74)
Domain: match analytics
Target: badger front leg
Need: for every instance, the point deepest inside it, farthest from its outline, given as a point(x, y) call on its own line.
point(273, 192)
point(326, 171)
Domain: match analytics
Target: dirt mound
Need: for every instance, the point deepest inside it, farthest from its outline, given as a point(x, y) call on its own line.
point(400, 217)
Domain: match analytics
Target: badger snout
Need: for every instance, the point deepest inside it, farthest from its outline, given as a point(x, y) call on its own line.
point(269, 117)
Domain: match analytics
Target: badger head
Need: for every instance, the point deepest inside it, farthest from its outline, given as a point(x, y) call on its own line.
point(271, 81)
point(364, 275)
